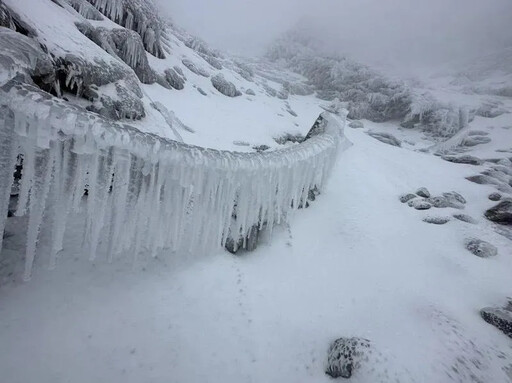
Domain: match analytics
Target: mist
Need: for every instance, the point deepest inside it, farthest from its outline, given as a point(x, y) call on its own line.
point(404, 34)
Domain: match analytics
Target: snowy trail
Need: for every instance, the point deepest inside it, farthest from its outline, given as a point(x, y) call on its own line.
point(356, 263)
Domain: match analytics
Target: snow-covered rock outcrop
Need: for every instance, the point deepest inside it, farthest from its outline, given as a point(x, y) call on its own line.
point(145, 192)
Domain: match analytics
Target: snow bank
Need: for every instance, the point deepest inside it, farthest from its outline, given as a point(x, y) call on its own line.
point(145, 193)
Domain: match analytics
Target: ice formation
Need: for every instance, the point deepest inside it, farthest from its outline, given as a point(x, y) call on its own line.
point(145, 193)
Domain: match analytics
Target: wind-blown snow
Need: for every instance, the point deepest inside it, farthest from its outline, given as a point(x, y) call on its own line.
point(146, 193)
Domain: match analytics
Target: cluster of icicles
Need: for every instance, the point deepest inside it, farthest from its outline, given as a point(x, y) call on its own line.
point(144, 193)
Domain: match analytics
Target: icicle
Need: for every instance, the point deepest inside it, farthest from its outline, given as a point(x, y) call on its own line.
point(146, 193)
point(8, 156)
point(38, 196)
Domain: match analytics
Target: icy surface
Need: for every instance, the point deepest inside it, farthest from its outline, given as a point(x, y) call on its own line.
point(148, 193)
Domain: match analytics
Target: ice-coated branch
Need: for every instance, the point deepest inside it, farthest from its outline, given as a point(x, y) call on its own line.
point(145, 193)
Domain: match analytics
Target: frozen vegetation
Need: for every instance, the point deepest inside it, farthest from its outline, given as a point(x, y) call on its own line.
point(184, 215)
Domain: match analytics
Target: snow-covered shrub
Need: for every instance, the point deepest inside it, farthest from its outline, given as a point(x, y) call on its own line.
point(145, 194)
point(369, 94)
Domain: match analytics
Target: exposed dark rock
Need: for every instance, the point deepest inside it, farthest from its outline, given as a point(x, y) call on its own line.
point(248, 243)
point(464, 218)
point(501, 213)
point(269, 90)
point(419, 204)
point(423, 192)
point(283, 94)
point(500, 318)
point(481, 248)
point(201, 91)
point(356, 124)
point(407, 197)
point(386, 138)
point(174, 79)
point(494, 197)
point(465, 159)
point(345, 356)
point(195, 68)
point(294, 138)
point(291, 111)
point(261, 148)
point(436, 220)
point(250, 92)
point(224, 86)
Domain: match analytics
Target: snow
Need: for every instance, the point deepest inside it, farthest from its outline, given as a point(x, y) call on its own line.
point(356, 263)
point(131, 284)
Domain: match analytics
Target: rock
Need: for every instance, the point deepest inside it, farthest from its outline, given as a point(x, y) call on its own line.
point(436, 220)
point(174, 79)
point(123, 104)
point(475, 140)
point(482, 180)
point(465, 159)
point(213, 61)
point(386, 138)
point(464, 218)
point(407, 197)
point(494, 196)
point(86, 9)
point(419, 204)
point(500, 318)
point(481, 248)
point(261, 148)
point(5, 17)
point(291, 111)
point(298, 89)
point(249, 243)
point(501, 213)
point(31, 62)
point(201, 91)
point(123, 44)
point(282, 94)
point(224, 86)
point(345, 356)
point(423, 192)
point(452, 199)
point(194, 68)
point(250, 92)
point(356, 124)
point(478, 133)
point(288, 137)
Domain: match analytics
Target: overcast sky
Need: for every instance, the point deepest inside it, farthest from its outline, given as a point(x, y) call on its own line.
point(402, 32)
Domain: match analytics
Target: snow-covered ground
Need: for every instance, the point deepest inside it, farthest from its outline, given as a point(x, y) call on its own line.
point(356, 263)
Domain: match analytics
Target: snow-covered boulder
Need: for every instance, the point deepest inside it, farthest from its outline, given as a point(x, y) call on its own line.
point(124, 44)
point(386, 138)
point(224, 86)
point(22, 56)
point(195, 68)
point(481, 248)
point(86, 9)
point(501, 213)
point(174, 79)
point(345, 356)
point(140, 16)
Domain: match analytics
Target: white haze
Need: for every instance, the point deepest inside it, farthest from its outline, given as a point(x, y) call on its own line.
point(406, 34)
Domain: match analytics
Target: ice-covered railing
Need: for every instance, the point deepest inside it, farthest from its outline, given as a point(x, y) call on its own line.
point(145, 193)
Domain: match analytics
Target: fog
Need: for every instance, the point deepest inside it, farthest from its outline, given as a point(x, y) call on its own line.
point(406, 34)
